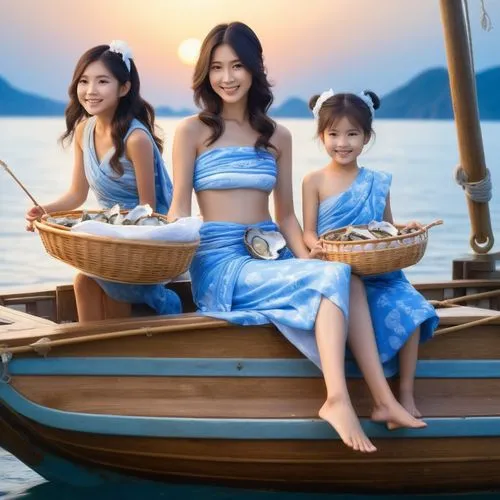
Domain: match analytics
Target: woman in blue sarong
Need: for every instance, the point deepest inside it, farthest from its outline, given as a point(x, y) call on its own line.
point(234, 156)
point(342, 194)
point(118, 157)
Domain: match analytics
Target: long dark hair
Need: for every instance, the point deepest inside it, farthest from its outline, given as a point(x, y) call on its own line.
point(350, 106)
point(247, 46)
point(129, 107)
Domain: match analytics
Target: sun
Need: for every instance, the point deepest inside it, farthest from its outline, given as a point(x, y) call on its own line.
point(189, 50)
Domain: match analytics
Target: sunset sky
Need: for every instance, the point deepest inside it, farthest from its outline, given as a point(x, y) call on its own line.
point(308, 45)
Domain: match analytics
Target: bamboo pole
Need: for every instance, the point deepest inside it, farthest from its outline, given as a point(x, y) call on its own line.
point(21, 185)
point(465, 109)
point(466, 298)
point(43, 345)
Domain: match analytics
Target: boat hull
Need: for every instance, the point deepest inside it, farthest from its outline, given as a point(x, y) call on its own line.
point(207, 402)
point(315, 465)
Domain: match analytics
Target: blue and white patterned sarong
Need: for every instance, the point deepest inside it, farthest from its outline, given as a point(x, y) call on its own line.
point(396, 308)
point(229, 284)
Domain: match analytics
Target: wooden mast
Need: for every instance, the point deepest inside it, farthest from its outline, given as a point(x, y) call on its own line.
point(465, 109)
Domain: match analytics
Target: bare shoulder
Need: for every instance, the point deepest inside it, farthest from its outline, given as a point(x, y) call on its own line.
point(313, 179)
point(139, 138)
point(79, 132)
point(282, 137)
point(191, 126)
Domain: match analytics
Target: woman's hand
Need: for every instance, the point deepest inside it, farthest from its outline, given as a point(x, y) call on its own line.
point(33, 214)
point(317, 251)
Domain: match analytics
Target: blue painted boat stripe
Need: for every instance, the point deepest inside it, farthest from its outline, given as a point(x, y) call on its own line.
point(230, 367)
point(216, 428)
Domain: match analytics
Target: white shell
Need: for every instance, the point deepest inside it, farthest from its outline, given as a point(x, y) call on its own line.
point(264, 244)
point(383, 226)
point(361, 233)
point(138, 212)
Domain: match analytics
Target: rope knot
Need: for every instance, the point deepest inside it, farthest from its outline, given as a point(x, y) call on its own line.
point(480, 191)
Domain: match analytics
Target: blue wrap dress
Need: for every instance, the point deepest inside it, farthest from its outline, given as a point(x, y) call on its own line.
point(109, 189)
point(396, 308)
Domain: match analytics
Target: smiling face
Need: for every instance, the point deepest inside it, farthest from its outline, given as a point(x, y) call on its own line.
point(344, 141)
point(99, 91)
point(229, 79)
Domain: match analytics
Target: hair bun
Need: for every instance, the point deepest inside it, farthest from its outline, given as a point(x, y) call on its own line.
point(374, 97)
point(312, 101)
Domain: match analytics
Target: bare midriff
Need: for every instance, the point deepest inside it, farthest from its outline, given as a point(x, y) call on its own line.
point(243, 206)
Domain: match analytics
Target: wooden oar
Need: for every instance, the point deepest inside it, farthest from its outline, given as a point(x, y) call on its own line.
point(9, 171)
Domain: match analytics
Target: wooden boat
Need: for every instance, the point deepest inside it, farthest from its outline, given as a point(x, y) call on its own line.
point(193, 399)
point(190, 399)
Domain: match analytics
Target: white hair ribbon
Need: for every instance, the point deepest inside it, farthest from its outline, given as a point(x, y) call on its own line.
point(321, 100)
point(329, 93)
point(121, 47)
point(368, 101)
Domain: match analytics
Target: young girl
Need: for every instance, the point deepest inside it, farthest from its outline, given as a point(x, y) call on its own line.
point(118, 156)
point(234, 156)
point(342, 193)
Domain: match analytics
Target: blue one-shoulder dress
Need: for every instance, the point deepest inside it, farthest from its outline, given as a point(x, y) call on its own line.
point(110, 189)
point(228, 283)
point(396, 308)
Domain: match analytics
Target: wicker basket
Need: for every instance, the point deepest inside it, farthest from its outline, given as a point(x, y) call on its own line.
point(114, 259)
point(380, 256)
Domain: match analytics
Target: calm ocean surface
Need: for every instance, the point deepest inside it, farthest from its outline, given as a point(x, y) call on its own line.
point(421, 155)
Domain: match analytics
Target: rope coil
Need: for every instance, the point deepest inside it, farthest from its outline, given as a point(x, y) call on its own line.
point(480, 191)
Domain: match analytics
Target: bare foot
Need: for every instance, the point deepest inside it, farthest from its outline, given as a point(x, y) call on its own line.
point(340, 415)
point(407, 400)
point(396, 416)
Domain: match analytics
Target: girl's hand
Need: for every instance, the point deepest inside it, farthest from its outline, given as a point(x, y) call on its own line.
point(413, 225)
point(317, 251)
point(33, 214)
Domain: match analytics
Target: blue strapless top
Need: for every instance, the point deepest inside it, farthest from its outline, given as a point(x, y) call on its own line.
point(235, 167)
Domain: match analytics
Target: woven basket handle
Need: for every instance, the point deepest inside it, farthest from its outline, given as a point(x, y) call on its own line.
point(437, 222)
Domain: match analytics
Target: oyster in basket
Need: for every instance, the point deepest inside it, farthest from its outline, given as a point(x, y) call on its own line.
point(264, 244)
point(382, 229)
point(150, 220)
point(114, 215)
point(137, 213)
point(357, 234)
point(63, 221)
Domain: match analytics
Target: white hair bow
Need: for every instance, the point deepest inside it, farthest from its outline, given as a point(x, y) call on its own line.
point(329, 93)
point(321, 100)
point(122, 48)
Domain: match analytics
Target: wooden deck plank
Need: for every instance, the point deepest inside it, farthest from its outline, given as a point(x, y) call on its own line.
point(464, 314)
point(12, 321)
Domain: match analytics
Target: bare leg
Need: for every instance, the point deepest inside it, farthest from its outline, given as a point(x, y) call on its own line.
point(408, 357)
point(114, 309)
point(362, 343)
point(89, 298)
point(337, 409)
point(93, 304)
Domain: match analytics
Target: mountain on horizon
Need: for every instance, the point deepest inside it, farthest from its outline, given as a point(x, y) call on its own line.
point(14, 102)
point(426, 96)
